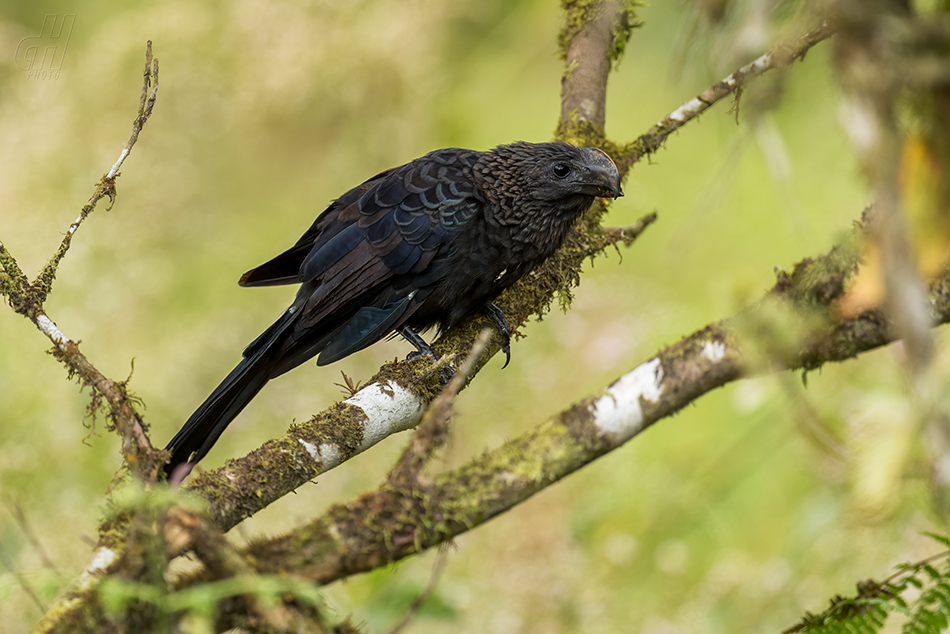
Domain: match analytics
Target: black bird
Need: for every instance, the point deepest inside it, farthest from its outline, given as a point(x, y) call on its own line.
point(424, 244)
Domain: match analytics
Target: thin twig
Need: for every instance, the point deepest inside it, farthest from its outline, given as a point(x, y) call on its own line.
point(105, 188)
point(20, 517)
point(431, 433)
point(438, 567)
point(810, 422)
point(778, 57)
point(146, 103)
point(630, 233)
point(20, 579)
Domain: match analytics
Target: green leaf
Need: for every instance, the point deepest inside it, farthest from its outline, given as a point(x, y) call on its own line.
point(940, 538)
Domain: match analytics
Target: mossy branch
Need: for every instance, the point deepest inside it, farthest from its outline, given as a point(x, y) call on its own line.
point(794, 326)
point(592, 40)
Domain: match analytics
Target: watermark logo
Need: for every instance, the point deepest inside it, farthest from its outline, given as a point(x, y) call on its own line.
point(42, 55)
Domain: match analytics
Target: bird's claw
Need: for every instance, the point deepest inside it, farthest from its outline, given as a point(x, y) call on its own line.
point(498, 318)
point(423, 349)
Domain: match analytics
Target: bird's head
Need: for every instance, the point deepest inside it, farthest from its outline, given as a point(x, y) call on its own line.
point(556, 171)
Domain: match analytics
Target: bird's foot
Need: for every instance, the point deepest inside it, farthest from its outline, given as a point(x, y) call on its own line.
point(423, 349)
point(498, 318)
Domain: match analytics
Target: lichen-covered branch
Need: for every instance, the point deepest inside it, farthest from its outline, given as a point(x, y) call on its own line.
point(779, 57)
point(433, 430)
point(28, 298)
point(794, 326)
point(245, 485)
point(186, 530)
point(119, 404)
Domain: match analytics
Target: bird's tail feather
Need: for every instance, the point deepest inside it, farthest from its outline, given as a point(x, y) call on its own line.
point(208, 422)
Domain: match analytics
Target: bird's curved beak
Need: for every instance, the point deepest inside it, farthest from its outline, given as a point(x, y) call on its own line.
point(602, 177)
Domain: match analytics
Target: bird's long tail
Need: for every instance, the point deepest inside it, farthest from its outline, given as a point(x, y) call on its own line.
point(209, 421)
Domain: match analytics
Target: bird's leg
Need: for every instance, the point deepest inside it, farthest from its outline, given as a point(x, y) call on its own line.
point(422, 348)
point(498, 318)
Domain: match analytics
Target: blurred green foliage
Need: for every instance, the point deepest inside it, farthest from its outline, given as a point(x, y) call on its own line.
point(728, 517)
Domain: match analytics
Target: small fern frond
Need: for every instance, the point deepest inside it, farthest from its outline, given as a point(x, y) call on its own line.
point(867, 611)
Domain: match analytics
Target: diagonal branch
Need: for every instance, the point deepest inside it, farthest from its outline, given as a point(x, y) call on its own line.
point(434, 426)
point(146, 103)
point(396, 521)
point(779, 57)
point(28, 300)
point(105, 188)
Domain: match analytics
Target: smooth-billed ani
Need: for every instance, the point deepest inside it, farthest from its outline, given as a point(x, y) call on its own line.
point(424, 244)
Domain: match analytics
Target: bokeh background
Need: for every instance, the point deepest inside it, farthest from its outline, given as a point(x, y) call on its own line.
point(731, 516)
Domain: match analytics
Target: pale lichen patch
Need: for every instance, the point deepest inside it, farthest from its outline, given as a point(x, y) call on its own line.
point(388, 409)
point(618, 414)
point(715, 351)
point(100, 564)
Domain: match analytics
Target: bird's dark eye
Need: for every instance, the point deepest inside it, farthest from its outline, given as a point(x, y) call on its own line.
point(562, 169)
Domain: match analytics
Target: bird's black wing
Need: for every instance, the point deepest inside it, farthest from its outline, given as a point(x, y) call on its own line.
point(284, 268)
point(369, 249)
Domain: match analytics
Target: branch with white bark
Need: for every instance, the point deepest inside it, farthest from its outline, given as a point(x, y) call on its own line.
point(397, 521)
